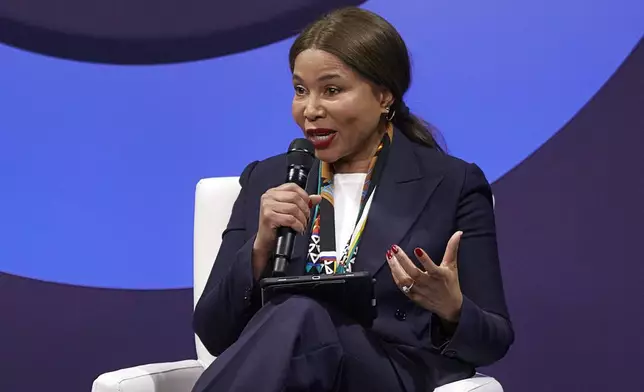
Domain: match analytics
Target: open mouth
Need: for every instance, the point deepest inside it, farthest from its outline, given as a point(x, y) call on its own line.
point(321, 138)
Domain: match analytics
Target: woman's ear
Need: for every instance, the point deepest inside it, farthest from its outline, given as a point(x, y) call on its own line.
point(386, 99)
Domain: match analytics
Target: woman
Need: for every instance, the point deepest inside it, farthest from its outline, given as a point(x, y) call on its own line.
point(429, 237)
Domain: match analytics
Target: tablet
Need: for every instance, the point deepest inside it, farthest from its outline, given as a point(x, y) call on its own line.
point(352, 293)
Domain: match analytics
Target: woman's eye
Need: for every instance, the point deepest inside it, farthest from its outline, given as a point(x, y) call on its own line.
point(299, 90)
point(332, 90)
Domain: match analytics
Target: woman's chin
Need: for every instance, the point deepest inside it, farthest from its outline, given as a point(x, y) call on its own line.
point(327, 155)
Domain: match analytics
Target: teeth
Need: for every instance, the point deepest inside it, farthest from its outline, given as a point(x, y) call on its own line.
point(321, 138)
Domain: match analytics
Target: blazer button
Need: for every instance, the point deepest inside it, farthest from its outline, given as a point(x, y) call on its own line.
point(400, 315)
point(248, 293)
point(450, 353)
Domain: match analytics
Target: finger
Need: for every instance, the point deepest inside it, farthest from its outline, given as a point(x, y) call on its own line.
point(289, 186)
point(295, 198)
point(289, 209)
point(285, 220)
point(405, 263)
point(425, 260)
point(401, 278)
point(451, 252)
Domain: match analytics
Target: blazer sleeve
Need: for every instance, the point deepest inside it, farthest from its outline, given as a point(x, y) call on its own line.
point(484, 332)
point(230, 298)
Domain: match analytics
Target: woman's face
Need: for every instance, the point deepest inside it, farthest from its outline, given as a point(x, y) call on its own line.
point(338, 110)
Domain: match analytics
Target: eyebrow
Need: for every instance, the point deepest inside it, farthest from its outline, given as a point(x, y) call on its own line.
point(322, 78)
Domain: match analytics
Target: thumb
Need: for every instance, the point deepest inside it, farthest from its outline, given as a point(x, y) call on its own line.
point(315, 199)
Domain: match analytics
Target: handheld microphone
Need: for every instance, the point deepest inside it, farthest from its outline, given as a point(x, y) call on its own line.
point(300, 158)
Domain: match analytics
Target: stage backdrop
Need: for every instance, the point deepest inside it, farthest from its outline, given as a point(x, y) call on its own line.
point(111, 112)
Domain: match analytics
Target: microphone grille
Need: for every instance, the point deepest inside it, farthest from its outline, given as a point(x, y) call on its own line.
point(301, 153)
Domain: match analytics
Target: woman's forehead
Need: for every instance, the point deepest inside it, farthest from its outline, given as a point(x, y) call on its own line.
point(318, 63)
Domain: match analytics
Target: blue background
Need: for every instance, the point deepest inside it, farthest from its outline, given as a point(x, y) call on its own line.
point(98, 163)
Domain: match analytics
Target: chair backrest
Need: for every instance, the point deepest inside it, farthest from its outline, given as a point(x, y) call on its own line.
point(214, 199)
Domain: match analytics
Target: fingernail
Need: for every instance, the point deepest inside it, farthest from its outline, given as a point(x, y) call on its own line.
point(394, 248)
point(389, 255)
point(418, 252)
point(310, 204)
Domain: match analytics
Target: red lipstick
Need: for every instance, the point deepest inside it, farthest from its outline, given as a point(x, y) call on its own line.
point(320, 137)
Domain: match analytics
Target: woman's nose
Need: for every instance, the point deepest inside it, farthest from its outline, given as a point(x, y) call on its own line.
point(313, 109)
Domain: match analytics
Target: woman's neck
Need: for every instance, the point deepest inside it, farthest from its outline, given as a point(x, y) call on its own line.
point(353, 166)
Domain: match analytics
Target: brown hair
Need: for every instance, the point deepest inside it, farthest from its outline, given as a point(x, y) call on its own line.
point(372, 47)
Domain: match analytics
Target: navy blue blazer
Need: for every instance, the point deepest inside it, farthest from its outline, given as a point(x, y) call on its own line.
point(424, 197)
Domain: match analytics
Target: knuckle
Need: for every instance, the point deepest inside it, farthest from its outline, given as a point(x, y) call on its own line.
point(268, 197)
point(269, 215)
point(293, 197)
point(292, 189)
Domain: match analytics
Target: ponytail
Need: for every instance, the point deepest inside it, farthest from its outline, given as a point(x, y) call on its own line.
point(415, 128)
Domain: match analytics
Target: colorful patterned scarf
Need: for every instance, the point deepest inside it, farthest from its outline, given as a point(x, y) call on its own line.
point(321, 257)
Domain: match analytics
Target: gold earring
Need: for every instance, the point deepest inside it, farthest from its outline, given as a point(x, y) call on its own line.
point(389, 114)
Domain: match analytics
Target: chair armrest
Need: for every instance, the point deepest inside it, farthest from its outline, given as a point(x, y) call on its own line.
point(170, 376)
point(478, 383)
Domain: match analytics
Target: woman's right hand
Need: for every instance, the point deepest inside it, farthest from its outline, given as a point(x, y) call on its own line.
point(288, 205)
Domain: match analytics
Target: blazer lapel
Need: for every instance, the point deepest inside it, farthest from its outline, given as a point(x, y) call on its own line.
point(403, 192)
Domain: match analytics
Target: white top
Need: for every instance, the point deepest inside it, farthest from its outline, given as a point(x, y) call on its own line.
point(347, 194)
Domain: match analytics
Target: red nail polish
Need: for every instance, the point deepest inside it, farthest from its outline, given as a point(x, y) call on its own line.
point(394, 248)
point(389, 255)
point(418, 252)
point(310, 204)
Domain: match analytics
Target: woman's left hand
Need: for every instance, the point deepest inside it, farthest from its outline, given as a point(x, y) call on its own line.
point(437, 288)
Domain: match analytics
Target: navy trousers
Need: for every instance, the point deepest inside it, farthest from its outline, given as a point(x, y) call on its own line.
point(295, 343)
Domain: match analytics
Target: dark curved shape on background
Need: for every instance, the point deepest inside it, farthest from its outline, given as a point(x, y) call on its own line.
point(570, 223)
point(153, 31)
point(56, 337)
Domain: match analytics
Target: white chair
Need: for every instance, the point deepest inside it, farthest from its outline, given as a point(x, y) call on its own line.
point(213, 204)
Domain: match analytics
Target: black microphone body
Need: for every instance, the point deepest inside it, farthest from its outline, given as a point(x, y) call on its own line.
point(300, 159)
